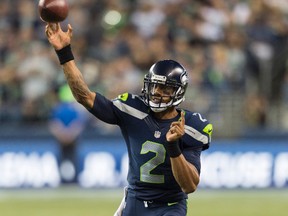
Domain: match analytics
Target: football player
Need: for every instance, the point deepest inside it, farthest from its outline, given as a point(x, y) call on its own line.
point(164, 142)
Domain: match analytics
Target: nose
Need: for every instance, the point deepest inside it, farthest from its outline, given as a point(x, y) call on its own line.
point(158, 90)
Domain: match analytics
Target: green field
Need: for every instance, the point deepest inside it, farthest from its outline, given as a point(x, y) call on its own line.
point(70, 201)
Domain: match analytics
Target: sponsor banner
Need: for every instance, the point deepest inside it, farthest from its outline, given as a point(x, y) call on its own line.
point(245, 164)
point(104, 163)
point(30, 164)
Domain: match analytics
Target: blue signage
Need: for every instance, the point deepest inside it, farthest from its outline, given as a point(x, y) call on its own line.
point(104, 163)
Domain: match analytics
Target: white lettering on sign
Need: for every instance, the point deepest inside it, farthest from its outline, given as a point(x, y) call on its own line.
point(99, 170)
point(281, 170)
point(219, 170)
point(124, 168)
point(247, 170)
point(28, 170)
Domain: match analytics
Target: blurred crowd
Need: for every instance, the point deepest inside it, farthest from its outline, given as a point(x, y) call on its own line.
point(229, 47)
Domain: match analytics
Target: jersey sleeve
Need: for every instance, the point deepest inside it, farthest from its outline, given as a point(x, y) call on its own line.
point(207, 131)
point(199, 130)
point(104, 110)
point(120, 111)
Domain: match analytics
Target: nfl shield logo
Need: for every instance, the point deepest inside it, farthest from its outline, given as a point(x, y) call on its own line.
point(157, 134)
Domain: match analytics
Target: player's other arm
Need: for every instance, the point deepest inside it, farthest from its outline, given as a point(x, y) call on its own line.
point(184, 172)
point(61, 40)
point(78, 86)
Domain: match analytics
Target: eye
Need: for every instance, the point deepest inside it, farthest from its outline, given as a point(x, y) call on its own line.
point(163, 89)
point(168, 90)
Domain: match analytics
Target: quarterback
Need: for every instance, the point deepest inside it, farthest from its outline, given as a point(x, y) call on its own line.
point(164, 142)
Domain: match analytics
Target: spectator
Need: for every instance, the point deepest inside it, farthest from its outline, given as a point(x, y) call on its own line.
point(237, 46)
point(66, 124)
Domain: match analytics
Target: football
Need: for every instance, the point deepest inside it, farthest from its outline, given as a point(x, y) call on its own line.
point(53, 11)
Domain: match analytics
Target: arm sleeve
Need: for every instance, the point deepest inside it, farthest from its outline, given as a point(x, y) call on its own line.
point(103, 109)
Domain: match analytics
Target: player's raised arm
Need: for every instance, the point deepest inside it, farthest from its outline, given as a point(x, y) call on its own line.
point(61, 41)
point(184, 172)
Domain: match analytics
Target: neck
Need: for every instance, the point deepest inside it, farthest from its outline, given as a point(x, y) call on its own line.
point(169, 113)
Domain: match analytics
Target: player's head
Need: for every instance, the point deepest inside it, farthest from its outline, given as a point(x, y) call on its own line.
point(165, 85)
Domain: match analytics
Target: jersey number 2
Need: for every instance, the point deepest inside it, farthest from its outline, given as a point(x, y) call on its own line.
point(159, 158)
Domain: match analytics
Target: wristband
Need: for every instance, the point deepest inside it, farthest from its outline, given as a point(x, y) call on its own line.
point(173, 149)
point(65, 54)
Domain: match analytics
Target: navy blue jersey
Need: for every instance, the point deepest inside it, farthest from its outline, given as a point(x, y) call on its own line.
point(150, 174)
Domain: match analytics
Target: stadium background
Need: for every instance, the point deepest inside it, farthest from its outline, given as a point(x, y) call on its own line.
point(236, 53)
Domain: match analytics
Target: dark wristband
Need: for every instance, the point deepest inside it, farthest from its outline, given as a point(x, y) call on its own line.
point(173, 149)
point(65, 54)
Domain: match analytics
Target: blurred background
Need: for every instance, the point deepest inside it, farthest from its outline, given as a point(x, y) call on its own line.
point(236, 54)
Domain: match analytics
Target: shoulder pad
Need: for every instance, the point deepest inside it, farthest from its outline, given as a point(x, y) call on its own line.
point(196, 123)
point(123, 97)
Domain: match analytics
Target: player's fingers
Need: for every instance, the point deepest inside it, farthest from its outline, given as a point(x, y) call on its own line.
point(47, 31)
point(70, 30)
point(57, 27)
point(51, 27)
point(183, 118)
point(180, 125)
point(175, 128)
point(174, 123)
point(46, 28)
point(179, 130)
point(172, 129)
point(177, 125)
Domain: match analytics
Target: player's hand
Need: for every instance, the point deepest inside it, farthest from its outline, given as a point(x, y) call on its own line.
point(176, 130)
point(57, 37)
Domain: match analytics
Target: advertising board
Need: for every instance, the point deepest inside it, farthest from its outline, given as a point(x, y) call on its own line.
point(104, 163)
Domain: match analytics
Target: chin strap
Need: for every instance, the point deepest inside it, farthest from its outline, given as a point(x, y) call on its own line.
point(154, 109)
point(159, 107)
